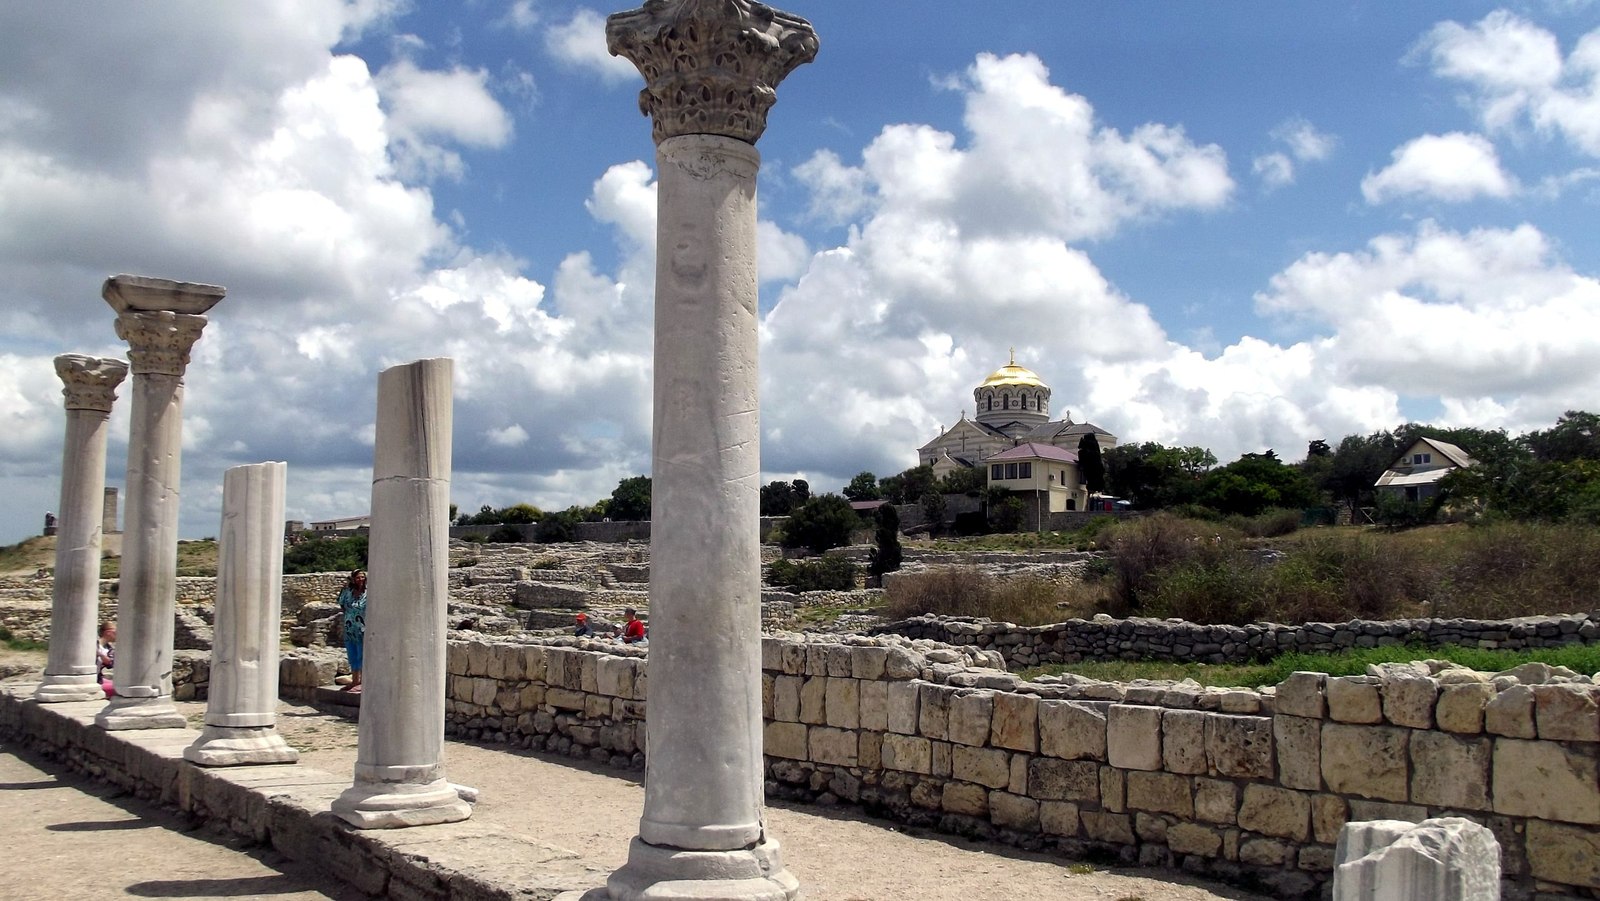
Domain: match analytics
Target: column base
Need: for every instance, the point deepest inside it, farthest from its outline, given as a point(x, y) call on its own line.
point(61, 689)
point(239, 746)
point(656, 873)
point(393, 805)
point(140, 713)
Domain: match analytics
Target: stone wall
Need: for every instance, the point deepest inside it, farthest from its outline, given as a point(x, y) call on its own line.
point(1236, 784)
point(1105, 638)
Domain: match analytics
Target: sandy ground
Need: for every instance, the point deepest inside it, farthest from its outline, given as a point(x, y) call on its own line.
point(836, 854)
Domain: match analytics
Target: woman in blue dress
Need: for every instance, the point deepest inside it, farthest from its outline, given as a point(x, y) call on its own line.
point(353, 604)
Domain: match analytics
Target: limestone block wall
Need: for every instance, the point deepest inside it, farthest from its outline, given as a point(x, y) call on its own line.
point(1104, 638)
point(1239, 785)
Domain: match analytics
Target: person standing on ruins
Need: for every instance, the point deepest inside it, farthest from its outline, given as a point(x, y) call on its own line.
point(353, 604)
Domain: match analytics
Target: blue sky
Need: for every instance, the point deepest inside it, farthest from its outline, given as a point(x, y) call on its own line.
point(1240, 225)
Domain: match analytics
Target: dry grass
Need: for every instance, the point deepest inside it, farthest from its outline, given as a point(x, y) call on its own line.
point(963, 591)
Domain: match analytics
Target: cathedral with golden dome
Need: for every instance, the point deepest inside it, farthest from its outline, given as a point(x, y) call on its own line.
point(1013, 437)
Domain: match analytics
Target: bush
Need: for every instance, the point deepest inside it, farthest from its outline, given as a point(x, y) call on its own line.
point(1269, 524)
point(823, 522)
point(326, 555)
point(963, 591)
point(1005, 515)
point(506, 534)
point(820, 574)
point(1141, 549)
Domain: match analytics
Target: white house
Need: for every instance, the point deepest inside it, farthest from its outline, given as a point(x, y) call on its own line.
point(1415, 475)
point(1047, 472)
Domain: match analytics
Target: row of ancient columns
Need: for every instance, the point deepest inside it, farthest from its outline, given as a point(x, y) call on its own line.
point(711, 68)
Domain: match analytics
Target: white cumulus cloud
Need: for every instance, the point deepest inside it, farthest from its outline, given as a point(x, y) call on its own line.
point(1453, 167)
point(580, 42)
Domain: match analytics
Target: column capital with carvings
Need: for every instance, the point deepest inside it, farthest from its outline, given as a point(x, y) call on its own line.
point(91, 382)
point(159, 340)
point(710, 66)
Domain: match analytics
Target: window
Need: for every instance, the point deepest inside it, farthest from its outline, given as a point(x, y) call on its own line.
point(1011, 470)
point(1418, 459)
point(997, 471)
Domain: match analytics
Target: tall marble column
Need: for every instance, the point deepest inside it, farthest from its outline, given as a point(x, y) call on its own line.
point(399, 774)
point(160, 319)
point(242, 707)
point(710, 68)
point(91, 389)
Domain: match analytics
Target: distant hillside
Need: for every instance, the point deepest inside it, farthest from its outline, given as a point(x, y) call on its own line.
point(195, 558)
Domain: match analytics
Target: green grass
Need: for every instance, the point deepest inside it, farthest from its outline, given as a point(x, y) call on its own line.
point(13, 643)
point(1579, 658)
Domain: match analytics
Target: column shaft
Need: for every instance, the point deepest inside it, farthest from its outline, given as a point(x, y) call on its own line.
point(242, 707)
point(399, 772)
point(703, 785)
point(69, 673)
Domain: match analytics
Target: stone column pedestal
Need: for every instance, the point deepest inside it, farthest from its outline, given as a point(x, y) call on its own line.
point(69, 673)
point(710, 68)
point(399, 773)
point(160, 320)
point(1441, 859)
point(242, 707)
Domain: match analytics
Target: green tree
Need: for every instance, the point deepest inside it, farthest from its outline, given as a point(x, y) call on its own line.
point(1151, 476)
point(778, 498)
point(562, 526)
point(1091, 465)
point(968, 480)
point(907, 487)
point(932, 508)
point(802, 491)
point(630, 500)
point(326, 555)
point(1575, 436)
point(886, 553)
point(519, 514)
point(820, 523)
point(864, 487)
point(1255, 483)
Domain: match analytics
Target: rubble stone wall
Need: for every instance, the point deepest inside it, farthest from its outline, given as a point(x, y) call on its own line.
point(1104, 638)
point(1235, 784)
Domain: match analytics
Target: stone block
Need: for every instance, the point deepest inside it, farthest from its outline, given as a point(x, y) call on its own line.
point(1546, 780)
point(564, 699)
point(1367, 761)
point(1299, 748)
point(793, 659)
point(989, 767)
point(1216, 801)
point(1161, 793)
point(1449, 859)
point(816, 660)
point(1019, 774)
point(786, 698)
point(1275, 811)
point(1239, 746)
point(1112, 828)
point(586, 671)
point(970, 716)
point(874, 700)
point(1329, 813)
point(869, 750)
point(965, 798)
point(1316, 858)
point(868, 663)
point(842, 708)
point(813, 700)
point(841, 661)
point(1050, 779)
point(907, 753)
point(1189, 838)
point(933, 720)
point(484, 691)
point(1408, 700)
point(1510, 713)
point(1263, 852)
point(1301, 695)
point(902, 698)
point(940, 757)
point(1460, 707)
point(1072, 730)
point(1569, 855)
point(535, 663)
point(1567, 711)
point(1133, 737)
point(1058, 818)
point(1183, 741)
point(1113, 789)
point(1386, 810)
point(1015, 723)
point(1450, 771)
point(597, 707)
point(832, 746)
point(1354, 699)
point(614, 676)
point(1151, 828)
point(786, 740)
point(771, 654)
point(1009, 811)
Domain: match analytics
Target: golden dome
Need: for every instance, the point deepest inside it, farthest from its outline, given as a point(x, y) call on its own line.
point(1012, 374)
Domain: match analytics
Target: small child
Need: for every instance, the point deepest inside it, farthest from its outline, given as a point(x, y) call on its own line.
point(105, 654)
point(634, 631)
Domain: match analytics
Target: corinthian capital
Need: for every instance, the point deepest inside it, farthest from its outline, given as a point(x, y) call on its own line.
point(91, 382)
point(710, 66)
point(159, 340)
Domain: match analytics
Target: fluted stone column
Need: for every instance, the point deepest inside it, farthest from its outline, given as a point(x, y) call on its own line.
point(399, 773)
point(160, 319)
point(710, 68)
point(242, 706)
point(91, 389)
